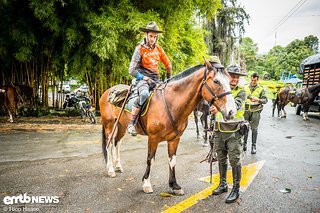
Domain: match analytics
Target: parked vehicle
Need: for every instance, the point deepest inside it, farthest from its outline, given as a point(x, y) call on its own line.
point(65, 88)
point(87, 110)
point(310, 69)
point(83, 104)
point(83, 89)
point(71, 100)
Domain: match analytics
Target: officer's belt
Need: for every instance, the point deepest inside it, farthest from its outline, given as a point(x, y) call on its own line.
point(253, 107)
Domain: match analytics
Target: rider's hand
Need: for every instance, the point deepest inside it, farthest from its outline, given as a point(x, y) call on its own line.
point(213, 109)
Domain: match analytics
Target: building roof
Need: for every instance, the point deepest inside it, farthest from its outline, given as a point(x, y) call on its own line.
point(314, 59)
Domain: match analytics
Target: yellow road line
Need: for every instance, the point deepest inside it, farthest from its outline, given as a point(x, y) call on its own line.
point(249, 172)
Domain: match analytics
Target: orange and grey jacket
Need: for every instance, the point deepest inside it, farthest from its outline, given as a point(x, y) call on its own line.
point(145, 61)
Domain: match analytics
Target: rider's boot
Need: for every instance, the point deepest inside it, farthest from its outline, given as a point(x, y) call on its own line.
point(245, 141)
point(234, 194)
point(131, 127)
point(223, 186)
point(254, 143)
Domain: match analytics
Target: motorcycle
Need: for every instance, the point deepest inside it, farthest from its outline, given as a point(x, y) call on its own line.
point(81, 103)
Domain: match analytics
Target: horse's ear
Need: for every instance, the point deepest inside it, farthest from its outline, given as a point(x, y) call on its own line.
point(208, 64)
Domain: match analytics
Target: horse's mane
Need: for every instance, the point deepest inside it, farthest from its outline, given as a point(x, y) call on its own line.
point(185, 73)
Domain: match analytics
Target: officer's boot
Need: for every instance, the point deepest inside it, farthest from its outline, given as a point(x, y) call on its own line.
point(245, 142)
point(254, 142)
point(131, 127)
point(234, 194)
point(223, 186)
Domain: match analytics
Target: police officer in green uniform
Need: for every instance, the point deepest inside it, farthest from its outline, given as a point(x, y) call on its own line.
point(256, 97)
point(274, 97)
point(227, 138)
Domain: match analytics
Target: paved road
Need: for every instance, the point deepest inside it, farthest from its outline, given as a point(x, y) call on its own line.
point(64, 160)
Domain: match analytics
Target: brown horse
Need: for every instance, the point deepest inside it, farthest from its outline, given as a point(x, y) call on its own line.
point(9, 100)
point(11, 96)
point(304, 96)
point(167, 116)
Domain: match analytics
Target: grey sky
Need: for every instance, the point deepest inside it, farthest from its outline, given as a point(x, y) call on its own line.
point(266, 14)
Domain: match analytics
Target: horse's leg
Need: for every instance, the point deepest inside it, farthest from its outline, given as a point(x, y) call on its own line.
point(281, 111)
point(195, 112)
point(305, 112)
point(10, 98)
point(172, 149)
point(284, 112)
point(108, 151)
point(10, 116)
point(118, 166)
point(152, 148)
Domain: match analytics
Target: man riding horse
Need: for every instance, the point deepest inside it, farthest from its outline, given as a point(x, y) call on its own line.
point(144, 67)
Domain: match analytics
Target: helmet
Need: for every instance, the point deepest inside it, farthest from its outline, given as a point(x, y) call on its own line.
point(151, 27)
point(215, 59)
point(236, 69)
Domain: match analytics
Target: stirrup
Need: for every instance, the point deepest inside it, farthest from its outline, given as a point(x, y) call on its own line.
point(132, 130)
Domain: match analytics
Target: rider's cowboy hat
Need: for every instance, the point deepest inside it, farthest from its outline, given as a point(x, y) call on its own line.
point(236, 70)
point(151, 27)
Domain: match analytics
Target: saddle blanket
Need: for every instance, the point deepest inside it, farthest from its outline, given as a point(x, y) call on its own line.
point(117, 95)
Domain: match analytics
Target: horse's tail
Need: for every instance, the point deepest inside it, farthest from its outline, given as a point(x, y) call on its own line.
point(104, 144)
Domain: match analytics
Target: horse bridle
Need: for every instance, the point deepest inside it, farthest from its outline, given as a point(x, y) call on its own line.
point(214, 96)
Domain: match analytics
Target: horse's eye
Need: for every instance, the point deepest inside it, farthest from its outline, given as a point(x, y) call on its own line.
point(216, 81)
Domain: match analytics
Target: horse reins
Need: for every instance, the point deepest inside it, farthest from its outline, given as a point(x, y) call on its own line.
point(214, 96)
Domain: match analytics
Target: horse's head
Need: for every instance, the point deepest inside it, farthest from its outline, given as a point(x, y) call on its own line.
point(216, 90)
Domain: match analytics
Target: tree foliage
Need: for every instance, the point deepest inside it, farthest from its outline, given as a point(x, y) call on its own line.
point(44, 41)
point(226, 28)
point(279, 59)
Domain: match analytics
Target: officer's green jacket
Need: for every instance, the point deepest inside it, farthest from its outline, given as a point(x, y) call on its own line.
point(233, 125)
point(259, 92)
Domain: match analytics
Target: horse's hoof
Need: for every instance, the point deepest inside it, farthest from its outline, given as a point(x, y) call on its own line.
point(147, 189)
point(119, 169)
point(205, 144)
point(178, 192)
point(112, 174)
